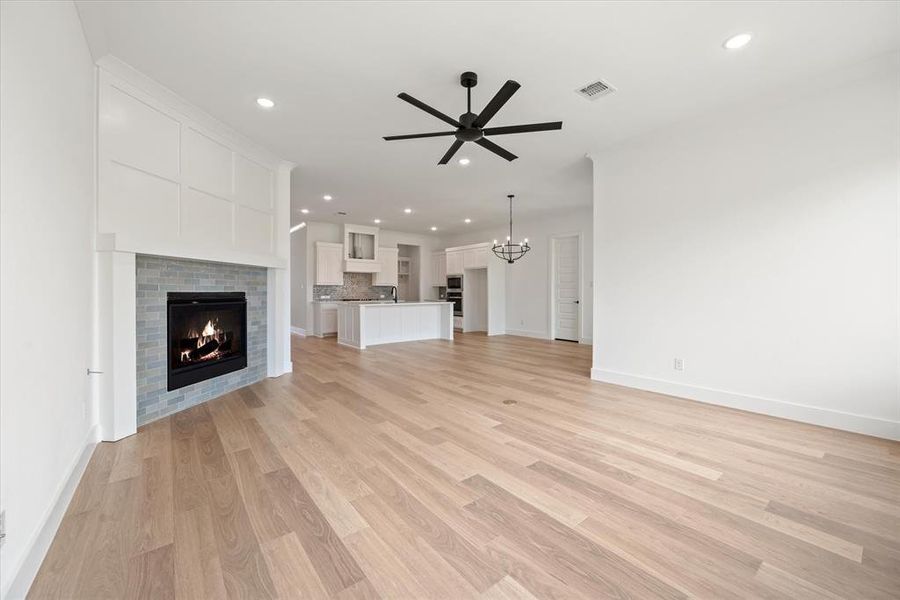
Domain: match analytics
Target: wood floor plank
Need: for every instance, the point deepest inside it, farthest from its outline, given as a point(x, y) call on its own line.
point(384, 569)
point(198, 570)
point(431, 572)
point(399, 472)
point(152, 574)
point(129, 460)
point(292, 571)
point(267, 521)
point(593, 569)
point(264, 451)
point(468, 560)
point(332, 561)
point(336, 508)
point(508, 589)
point(243, 568)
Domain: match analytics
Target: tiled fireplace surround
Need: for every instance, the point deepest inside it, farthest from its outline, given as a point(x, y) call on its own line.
point(130, 315)
point(155, 277)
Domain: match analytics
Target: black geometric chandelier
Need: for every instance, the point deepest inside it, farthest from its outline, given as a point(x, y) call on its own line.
point(511, 251)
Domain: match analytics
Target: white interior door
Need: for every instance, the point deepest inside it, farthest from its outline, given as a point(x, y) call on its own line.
point(566, 268)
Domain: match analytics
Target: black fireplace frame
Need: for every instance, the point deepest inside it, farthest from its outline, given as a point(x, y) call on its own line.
point(184, 376)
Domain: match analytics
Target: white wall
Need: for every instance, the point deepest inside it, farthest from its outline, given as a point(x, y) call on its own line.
point(299, 280)
point(759, 244)
point(175, 182)
point(46, 264)
point(528, 280)
point(305, 251)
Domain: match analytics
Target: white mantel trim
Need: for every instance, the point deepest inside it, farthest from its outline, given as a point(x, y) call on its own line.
point(117, 242)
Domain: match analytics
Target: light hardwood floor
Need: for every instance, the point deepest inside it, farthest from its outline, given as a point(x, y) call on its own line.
point(484, 468)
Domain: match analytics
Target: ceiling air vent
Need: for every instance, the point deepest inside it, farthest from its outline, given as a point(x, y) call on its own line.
point(594, 90)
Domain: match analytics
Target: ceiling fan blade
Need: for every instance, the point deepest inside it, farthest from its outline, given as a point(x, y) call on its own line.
point(417, 135)
point(485, 143)
point(509, 88)
point(522, 128)
point(432, 111)
point(453, 148)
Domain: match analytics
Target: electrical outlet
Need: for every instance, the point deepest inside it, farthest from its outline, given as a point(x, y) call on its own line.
point(678, 364)
point(2, 527)
point(522, 322)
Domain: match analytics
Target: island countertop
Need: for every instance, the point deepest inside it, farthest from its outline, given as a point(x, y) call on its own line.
point(392, 303)
point(367, 323)
point(367, 302)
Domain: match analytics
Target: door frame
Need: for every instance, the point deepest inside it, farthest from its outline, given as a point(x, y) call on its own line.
point(554, 238)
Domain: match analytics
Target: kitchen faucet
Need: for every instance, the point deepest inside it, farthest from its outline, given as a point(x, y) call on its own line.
point(394, 293)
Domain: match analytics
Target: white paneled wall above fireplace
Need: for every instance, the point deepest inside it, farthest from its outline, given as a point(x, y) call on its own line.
point(173, 186)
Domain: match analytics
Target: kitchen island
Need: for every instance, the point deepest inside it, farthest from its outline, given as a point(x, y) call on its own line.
point(363, 324)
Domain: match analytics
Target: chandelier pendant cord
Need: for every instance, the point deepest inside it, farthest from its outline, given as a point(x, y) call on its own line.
point(510, 219)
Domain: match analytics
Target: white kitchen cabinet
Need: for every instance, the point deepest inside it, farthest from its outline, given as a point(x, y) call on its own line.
point(388, 273)
point(483, 273)
point(325, 318)
point(473, 256)
point(458, 323)
point(476, 258)
point(329, 264)
point(439, 269)
point(455, 262)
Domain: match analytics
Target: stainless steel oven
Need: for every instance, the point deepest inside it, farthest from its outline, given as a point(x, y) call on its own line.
point(454, 282)
point(455, 296)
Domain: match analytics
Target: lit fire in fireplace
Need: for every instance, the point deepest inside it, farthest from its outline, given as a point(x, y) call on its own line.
point(211, 342)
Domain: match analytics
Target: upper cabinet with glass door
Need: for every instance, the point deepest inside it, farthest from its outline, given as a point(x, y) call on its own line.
point(361, 249)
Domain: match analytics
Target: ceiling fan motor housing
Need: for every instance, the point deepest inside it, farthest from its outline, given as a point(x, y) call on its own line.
point(468, 133)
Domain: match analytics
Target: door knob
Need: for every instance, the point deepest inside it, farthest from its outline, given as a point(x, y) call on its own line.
point(578, 302)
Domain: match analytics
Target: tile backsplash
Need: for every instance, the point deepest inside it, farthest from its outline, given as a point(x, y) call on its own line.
point(357, 286)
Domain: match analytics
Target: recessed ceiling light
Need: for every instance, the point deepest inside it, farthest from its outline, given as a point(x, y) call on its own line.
point(433, 228)
point(326, 198)
point(376, 221)
point(464, 161)
point(467, 220)
point(407, 210)
point(738, 41)
point(305, 211)
point(265, 102)
point(298, 226)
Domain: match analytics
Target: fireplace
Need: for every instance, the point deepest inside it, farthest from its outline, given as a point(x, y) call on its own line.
point(207, 335)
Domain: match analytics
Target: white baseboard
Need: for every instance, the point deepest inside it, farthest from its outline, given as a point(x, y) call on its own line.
point(826, 417)
point(542, 335)
point(298, 331)
point(39, 544)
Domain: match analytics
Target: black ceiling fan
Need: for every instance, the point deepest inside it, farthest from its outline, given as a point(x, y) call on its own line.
point(471, 127)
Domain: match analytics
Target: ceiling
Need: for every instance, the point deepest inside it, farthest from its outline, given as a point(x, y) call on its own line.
point(334, 70)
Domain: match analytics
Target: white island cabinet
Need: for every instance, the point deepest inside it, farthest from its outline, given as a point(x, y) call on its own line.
point(362, 324)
